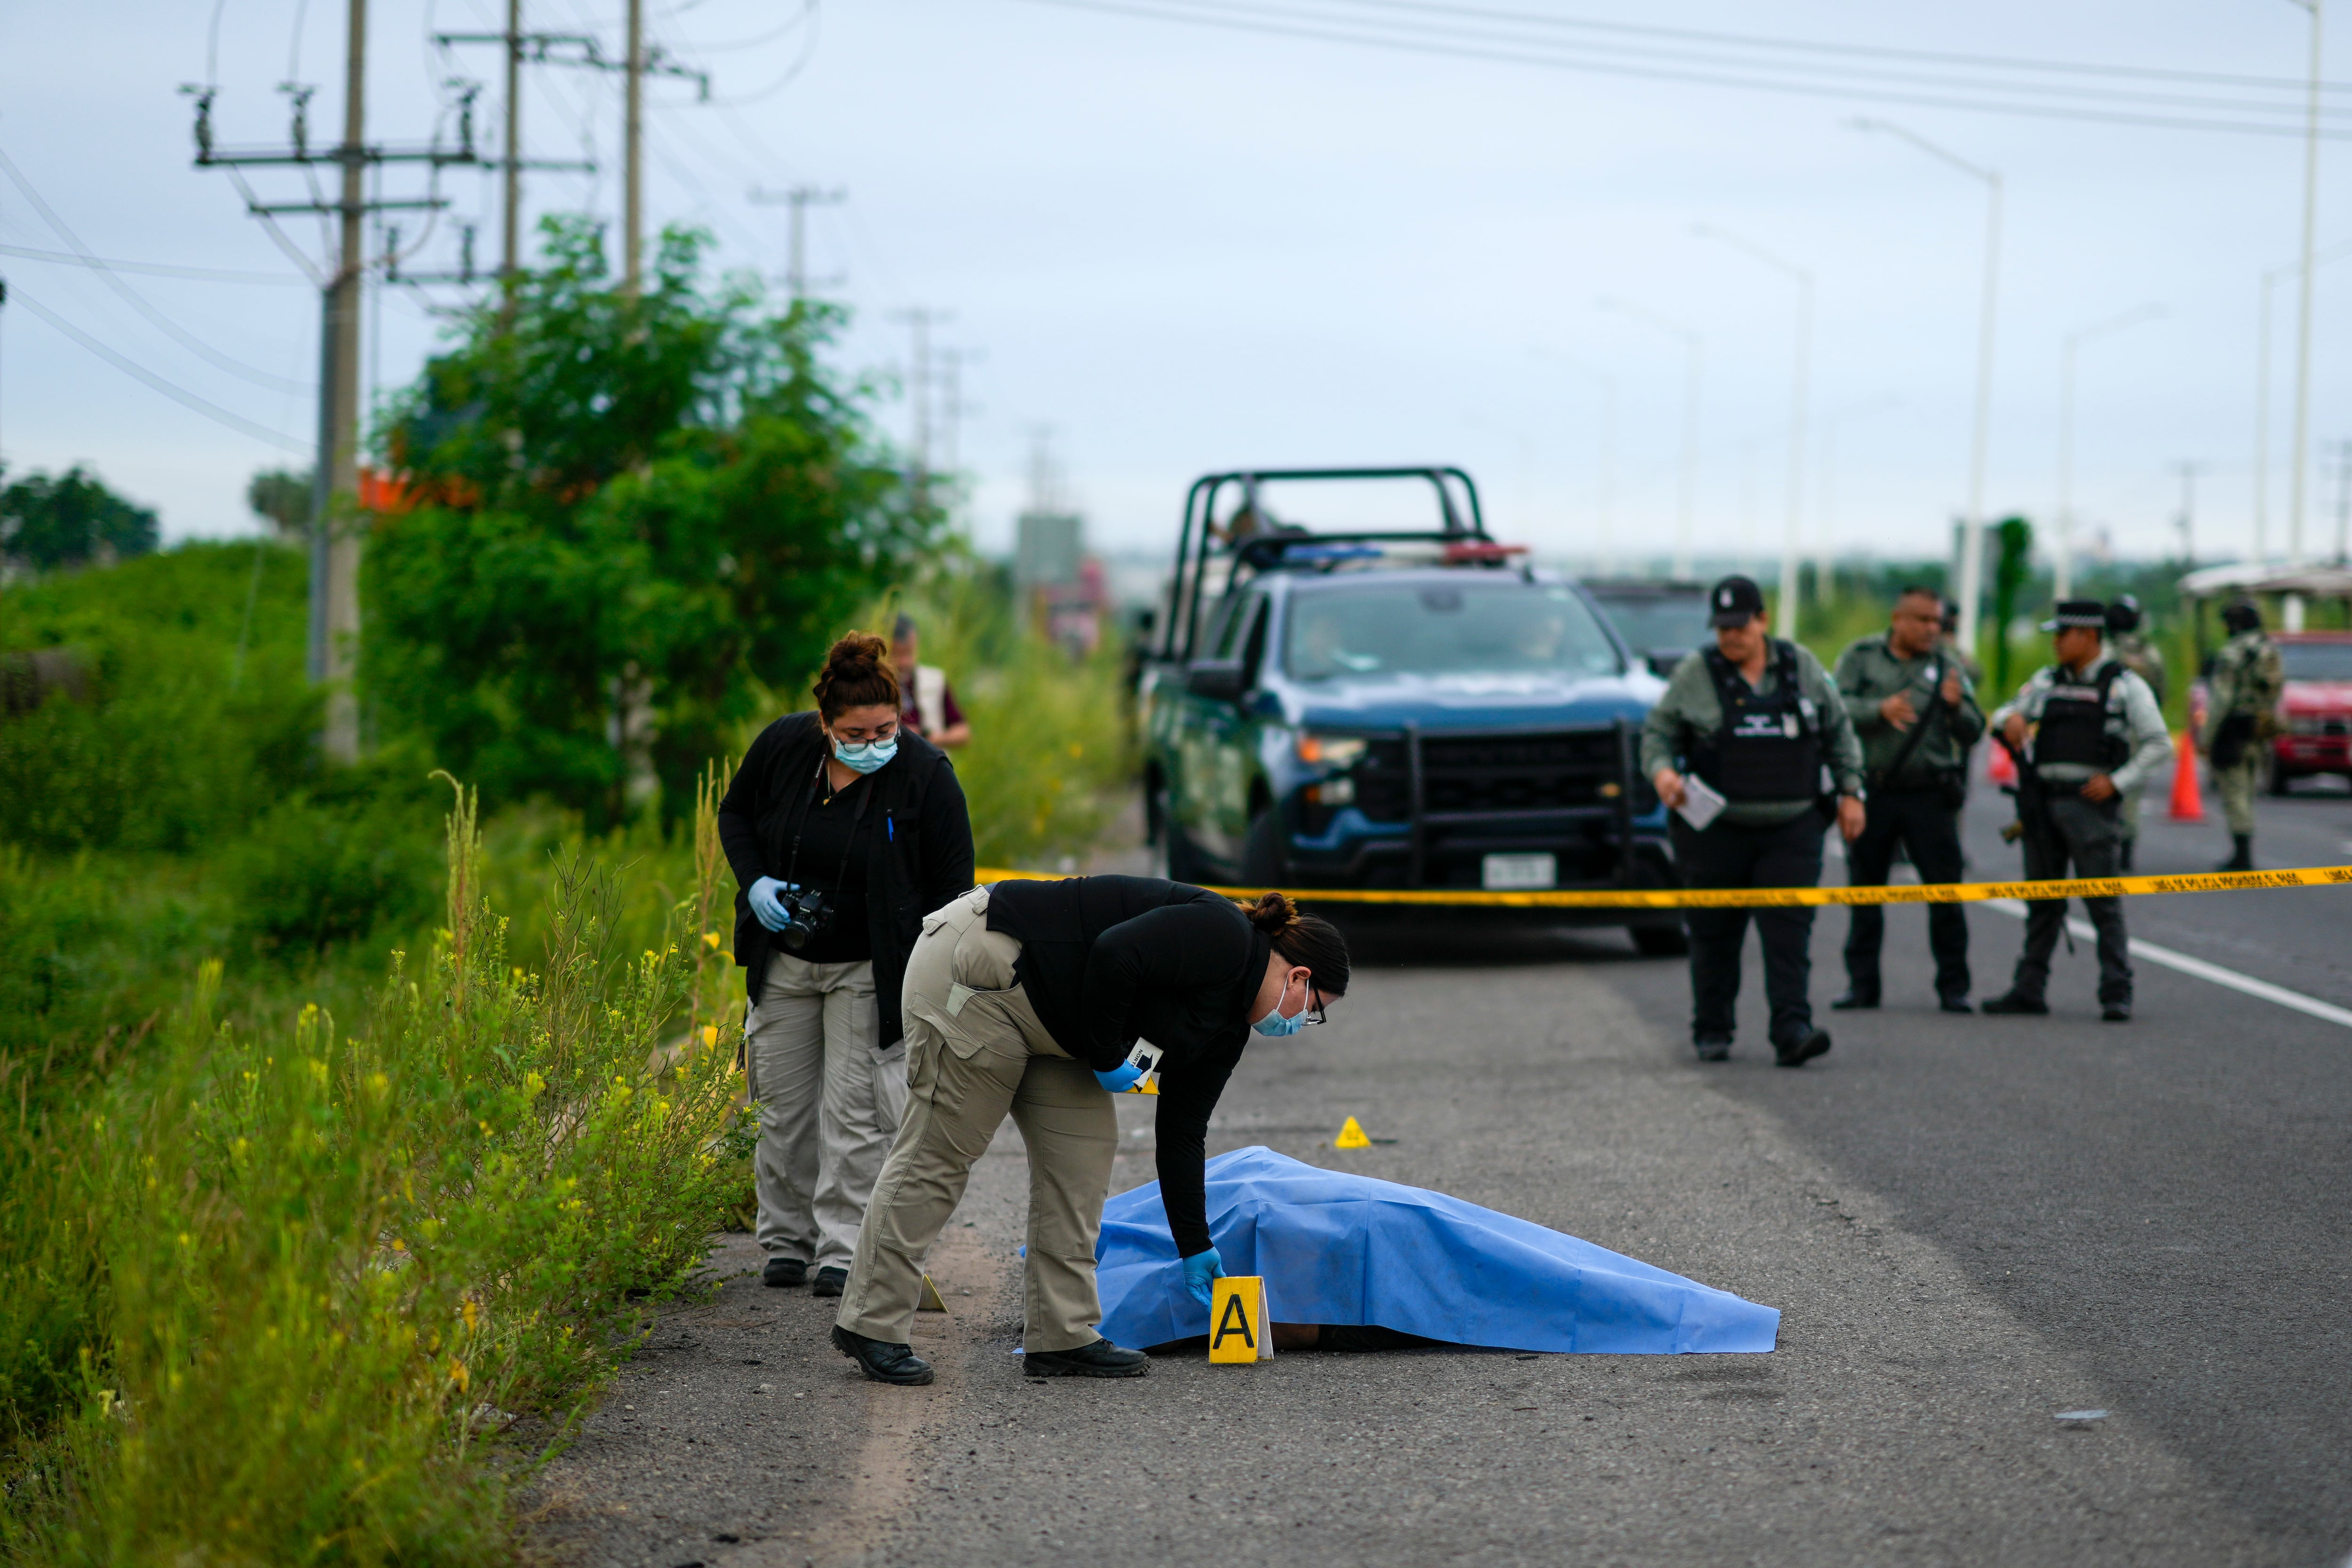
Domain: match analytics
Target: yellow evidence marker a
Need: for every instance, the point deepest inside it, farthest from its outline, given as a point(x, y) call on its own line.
point(1237, 1320)
point(1351, 1136)
point(930, 1301)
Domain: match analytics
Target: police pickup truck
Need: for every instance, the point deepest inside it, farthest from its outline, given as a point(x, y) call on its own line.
point(1409, 708)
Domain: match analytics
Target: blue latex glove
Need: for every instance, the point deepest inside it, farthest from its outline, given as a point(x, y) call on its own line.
point(1121, 1078)
point(764, 903)
point(1201, 1270)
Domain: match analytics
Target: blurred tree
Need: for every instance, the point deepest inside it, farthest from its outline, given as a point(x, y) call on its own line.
point(71, 518)
point(2012, 572)
point(283, 496)
point(631, 513)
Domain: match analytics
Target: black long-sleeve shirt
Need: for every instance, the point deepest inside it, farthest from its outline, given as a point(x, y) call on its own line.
point(1106, 961)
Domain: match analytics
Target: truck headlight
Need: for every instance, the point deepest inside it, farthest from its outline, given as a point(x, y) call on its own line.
point(1331, 750)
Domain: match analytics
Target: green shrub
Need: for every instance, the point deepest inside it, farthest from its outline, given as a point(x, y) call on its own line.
point(310, 876)
point(283, 1297)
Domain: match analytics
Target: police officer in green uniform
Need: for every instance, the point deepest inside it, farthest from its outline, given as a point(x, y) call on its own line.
point(1916, 712)
point(2242, 691)
point(2145, 659)
point(1756, 720)
point(2086, 733)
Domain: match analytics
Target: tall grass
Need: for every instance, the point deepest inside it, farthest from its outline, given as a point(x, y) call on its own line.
point(306, 1296)
point(1052, 746)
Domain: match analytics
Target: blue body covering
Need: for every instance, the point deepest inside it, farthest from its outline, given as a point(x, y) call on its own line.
point(1339, 1249)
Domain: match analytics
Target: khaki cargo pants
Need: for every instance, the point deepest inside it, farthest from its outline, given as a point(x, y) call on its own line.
point(976, 1051)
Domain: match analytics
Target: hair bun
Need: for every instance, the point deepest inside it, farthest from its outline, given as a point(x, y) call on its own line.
point(856, 674)
point(1272, 911)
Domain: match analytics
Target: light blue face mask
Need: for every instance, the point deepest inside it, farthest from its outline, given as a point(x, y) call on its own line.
point(866, 755)
point(1274, 1025)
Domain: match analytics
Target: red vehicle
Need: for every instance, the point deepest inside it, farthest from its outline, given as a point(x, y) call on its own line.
point(2314, 716)
point(2313, 733)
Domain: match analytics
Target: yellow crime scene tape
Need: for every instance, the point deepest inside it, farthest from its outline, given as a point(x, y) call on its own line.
point(1769, 898)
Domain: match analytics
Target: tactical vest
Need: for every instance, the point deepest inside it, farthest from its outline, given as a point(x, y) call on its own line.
point(1769, 745)
point(2074, 727)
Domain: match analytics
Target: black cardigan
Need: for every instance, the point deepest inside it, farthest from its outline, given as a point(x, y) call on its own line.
point(920, 851)
point(1107, 960)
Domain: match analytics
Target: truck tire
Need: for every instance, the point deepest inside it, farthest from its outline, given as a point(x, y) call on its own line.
point(1184, 862)
point(1660, 941)
point(1262, 864)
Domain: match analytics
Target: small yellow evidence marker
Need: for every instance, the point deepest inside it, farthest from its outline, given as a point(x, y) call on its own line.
point(1237, 1316)
point(1351, 1136)
point(931, 1302)
point(1148, 1084)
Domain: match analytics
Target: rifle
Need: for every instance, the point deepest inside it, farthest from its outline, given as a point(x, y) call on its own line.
point(2026, 792)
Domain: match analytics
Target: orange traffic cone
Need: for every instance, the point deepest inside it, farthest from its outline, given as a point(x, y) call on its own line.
point(2188, 804)
point(2001, 767)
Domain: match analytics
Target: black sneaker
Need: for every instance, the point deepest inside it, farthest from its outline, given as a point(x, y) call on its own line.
point(784, 1273)
point(1956, 1004)
point(829, 1282)
point(1712, 1048)
point(2115, 1012)
point(1804, 1048)
point(1100, 1359)
point(1854, 1002)
point(2016, 1001)
point(881, 1361)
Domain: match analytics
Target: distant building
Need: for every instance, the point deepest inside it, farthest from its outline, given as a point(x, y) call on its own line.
point(1061, 587)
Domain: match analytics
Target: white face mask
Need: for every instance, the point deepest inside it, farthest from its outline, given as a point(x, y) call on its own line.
point(865, 756)
point(1274, 1025)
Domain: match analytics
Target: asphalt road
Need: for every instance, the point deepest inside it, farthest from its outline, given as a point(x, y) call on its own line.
point(1970, 1224)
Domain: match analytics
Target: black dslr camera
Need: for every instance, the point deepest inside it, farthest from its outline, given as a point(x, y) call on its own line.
point(806, 912)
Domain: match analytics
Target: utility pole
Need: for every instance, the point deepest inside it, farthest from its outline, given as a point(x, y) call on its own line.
point(633, 209)
point(1970, 586)
point(800, 198)
point(511, 203)
point(2343, 500)
point(515, 43)
point(921, 319)
point(1793, 502)
point(335, 526)
point(2064, 543)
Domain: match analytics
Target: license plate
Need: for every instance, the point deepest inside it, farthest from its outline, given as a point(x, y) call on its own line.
point(1518, 873)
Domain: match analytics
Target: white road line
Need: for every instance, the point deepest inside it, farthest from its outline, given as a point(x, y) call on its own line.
point(2188, 964)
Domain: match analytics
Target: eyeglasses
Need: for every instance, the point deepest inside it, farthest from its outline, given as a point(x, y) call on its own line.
point(1315, 1013)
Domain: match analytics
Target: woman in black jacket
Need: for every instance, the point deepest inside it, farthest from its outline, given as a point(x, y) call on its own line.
point(843, 834)
point(1029, 997)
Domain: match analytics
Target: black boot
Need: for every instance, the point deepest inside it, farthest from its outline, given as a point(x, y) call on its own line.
point(1797, 1052)
point(883, 1361)
point(1100, 1359)
point(783, 1273)
point(2241, 854)
point(2016, 1001)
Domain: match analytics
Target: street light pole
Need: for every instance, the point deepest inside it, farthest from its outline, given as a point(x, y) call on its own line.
point(2064, 531)
point(1971, 582)
point(2302, 451)
point(1793, 504)
point(1686, 507)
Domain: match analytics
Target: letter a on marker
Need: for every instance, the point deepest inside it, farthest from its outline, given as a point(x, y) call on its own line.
point(1237, 1306)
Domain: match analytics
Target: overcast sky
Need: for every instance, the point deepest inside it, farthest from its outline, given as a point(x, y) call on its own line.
point(1184, 247)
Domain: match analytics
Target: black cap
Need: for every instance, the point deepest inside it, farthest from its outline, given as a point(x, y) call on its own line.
point(2123, 614)
point(2243, 615)
point(1734, 601)
point(2088, 613)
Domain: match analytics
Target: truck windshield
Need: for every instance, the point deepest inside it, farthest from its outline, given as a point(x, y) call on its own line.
point(1444, 628)
point(2317, 660)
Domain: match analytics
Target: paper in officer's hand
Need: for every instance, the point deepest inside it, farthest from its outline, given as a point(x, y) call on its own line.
point(1701, 805)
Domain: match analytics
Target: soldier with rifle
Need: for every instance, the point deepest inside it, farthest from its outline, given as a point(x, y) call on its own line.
point(1914, 711)
point(2241, 694)
point(2086, 732)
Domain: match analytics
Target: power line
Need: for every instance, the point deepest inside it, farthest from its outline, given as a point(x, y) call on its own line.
point(236, 367)
point(1596, 60)
point(156, 268)
point(178, 393)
